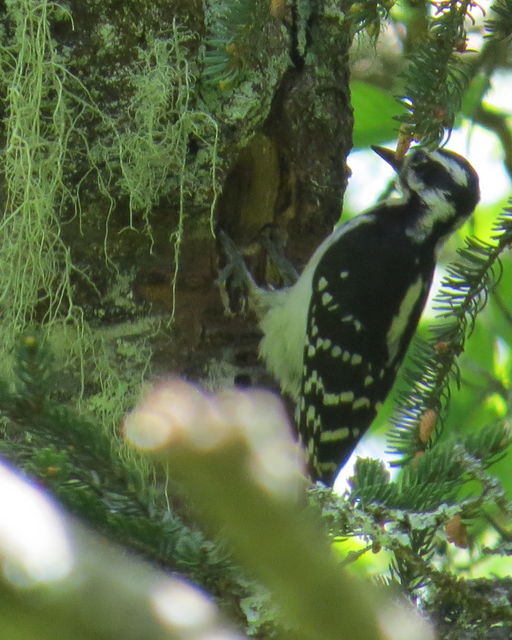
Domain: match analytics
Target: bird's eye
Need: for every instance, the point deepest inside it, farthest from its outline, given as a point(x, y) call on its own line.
point(419, 158)
point(428, 171)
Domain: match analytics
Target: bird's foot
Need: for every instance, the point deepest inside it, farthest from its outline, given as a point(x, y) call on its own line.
point(234, 280)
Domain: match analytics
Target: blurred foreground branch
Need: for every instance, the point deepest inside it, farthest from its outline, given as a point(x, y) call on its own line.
point(60, 581)
point(236, 458)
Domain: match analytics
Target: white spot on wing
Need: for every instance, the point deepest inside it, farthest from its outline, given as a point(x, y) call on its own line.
point(313, 383)
point(361, 403)
point(322, 284)
point(331, 399)
point(312, 420)
point(310, 413)
point(335, 434)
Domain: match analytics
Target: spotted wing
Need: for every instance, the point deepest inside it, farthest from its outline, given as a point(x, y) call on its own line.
point(366, 303)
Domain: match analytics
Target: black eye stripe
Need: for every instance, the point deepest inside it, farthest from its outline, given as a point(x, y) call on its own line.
point(433, 174)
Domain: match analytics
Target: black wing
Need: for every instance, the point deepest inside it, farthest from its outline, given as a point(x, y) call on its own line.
point(369, 289)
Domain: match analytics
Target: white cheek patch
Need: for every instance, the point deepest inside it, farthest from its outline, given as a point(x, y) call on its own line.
point(438, 209)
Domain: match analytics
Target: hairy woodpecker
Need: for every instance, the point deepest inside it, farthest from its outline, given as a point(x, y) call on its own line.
point(336, 338)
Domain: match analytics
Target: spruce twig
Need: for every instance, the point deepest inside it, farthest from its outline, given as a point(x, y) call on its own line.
point(436, 76)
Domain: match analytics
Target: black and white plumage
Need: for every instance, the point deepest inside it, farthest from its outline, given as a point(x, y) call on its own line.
point(336, 338)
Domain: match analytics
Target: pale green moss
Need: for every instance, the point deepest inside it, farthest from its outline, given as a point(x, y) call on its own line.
point(35, 279)
point(143, 154)
point(153, 147)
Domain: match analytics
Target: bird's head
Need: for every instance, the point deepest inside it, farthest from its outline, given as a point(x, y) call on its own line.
point(444, 182)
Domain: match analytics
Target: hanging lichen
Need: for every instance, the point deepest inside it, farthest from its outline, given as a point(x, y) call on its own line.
point(150, 146)
point(62, 146)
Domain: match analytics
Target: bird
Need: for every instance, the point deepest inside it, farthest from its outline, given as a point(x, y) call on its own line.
point(335, 338)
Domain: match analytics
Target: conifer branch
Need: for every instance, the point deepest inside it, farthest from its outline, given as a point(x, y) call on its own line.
point(231, 45)
point(87, 470)
point(436, 76)
point(500, 25)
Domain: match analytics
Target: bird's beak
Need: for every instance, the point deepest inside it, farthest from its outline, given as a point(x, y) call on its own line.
point(389, 156)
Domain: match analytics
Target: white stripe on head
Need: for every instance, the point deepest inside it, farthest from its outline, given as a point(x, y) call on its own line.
point(458, 173)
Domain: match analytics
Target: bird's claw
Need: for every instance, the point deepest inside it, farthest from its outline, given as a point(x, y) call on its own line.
point(234, 280)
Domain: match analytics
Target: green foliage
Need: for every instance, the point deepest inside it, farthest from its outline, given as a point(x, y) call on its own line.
point(61, 580)
point(230, 48)
point(36, 279)
point(499, 26)
point(369, 15)
point(474, 95)
point(435, 77)
point(440, 78)
point(147, 153)
point(374, 114)
point(200, 436)
point(53, 130)
point(433, 478)
point(430, 503)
